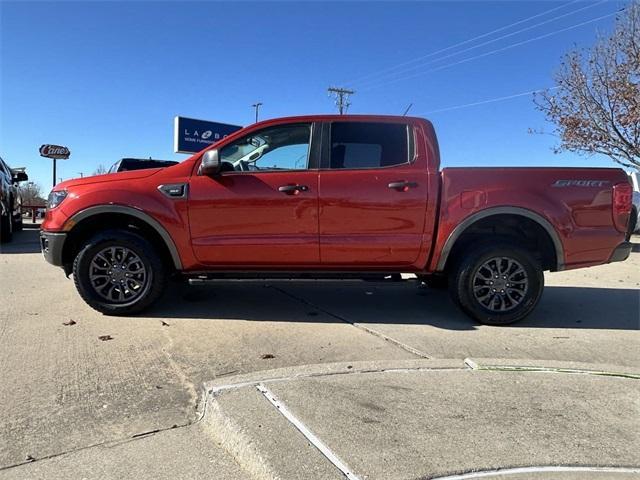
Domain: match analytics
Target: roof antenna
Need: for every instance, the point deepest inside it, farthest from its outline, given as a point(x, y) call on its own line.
point(407, 110)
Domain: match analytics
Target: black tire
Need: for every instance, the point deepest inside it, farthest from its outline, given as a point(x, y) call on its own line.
point(436, 282)
point(6, 228)
point(85, 271)
point(475, 294)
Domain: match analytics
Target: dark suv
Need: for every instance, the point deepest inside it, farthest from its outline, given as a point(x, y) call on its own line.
point(10, 211)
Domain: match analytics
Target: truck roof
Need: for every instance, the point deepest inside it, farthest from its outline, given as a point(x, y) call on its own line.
point(333, 117)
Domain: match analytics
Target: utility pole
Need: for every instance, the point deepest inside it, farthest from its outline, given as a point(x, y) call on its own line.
point(342, 98)
point(257, 107)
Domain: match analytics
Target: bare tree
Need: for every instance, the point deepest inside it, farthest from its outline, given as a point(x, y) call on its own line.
point(100, 170)
point(31, 194)
point(595, 105)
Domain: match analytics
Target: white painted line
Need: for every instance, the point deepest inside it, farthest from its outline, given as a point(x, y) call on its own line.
point(541, 469)
point(471, 364)
point(315, 441)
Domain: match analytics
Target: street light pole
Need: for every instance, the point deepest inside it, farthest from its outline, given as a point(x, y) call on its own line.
point(257, 107)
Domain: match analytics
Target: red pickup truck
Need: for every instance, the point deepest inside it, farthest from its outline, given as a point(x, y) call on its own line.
point(336, 196)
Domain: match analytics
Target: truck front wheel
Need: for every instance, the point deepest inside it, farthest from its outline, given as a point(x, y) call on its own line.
point(118, 272)
point(497, 284)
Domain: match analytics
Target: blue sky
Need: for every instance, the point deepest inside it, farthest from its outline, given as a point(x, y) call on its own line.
point(107, 78)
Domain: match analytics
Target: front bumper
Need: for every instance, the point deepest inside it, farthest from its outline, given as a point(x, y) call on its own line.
point(621, 253)
point(51, 244)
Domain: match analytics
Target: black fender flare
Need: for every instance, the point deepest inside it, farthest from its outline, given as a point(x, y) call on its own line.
point(139, 214)
point(489, 212)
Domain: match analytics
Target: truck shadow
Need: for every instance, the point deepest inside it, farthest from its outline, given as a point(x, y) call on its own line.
point(401, 304)
point(26, 241)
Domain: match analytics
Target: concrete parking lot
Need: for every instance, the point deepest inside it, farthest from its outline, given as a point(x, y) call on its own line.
point(317, 379)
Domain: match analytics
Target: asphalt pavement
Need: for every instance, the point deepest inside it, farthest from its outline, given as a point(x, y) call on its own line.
point(317, 379)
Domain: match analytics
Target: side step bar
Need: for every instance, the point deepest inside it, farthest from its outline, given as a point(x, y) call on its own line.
point(214, 277)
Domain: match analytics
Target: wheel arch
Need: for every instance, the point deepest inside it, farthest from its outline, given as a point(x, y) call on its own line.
point(120, 213)
point(486, 214)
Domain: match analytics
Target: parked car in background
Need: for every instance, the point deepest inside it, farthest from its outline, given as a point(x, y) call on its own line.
point(635, 182)
point(336, 196)
point(10, 203)
point(127, 164)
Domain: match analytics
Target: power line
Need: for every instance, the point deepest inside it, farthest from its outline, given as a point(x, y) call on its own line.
point(502, 37)
point(492, 52)
point(342, 98)
point(490, 100)
point(462, 43)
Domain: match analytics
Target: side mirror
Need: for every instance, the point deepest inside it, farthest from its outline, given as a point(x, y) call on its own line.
point(20, 177)
point(210, 163)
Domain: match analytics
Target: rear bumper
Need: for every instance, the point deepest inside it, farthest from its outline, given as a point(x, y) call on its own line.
point(621, 252)
point(51, 244)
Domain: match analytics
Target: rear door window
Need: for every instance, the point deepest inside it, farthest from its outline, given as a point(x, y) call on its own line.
point(368, 145)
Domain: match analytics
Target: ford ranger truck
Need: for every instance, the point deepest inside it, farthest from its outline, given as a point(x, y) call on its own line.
point(336, 196)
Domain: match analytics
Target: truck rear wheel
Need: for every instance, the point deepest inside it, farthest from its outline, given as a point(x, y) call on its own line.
point(119, 273)
point(497, 284)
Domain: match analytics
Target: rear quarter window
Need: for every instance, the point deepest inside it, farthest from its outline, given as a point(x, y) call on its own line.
point(368, 145)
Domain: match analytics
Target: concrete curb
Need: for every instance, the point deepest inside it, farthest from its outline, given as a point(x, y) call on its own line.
point(324, 369)
point(242, 445)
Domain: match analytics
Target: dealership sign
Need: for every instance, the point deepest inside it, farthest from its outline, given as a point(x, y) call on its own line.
point(191, 135)
point(55, 151)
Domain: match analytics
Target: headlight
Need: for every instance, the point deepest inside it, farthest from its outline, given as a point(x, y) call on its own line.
point(56, 198)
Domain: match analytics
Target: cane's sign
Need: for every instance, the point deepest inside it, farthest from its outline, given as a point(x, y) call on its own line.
point(54, 151)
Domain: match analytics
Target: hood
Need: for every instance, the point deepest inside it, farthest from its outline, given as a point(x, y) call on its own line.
point(108, 177)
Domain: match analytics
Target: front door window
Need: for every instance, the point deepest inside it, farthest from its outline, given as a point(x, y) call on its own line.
point(272, 149)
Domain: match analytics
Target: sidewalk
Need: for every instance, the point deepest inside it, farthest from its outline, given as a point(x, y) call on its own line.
point(389, 420)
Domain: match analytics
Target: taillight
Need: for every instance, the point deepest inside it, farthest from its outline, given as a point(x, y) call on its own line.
point(622, 195)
